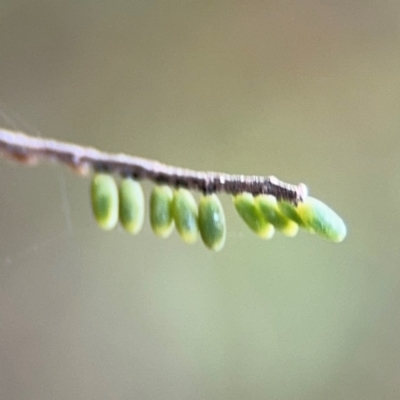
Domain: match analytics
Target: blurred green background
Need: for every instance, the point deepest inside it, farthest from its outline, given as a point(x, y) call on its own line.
point(307, 91)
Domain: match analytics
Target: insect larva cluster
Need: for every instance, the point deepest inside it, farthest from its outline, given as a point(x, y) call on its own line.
point(264, 215)
point(264, 203)
point(168, 209)
point(177, 208)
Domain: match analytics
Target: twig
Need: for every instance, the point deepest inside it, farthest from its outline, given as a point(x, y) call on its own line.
point(30, 150)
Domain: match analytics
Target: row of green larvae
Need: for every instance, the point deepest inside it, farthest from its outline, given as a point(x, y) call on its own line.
point(169, 208)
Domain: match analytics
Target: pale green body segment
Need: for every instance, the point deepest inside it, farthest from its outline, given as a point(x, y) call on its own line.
point(251, 215)
point(131, 205)
point(104, 195)
point(212, 224)
point(185, 213)
point(268, 207)
point(262, 214)
point(316, 217)
point(161, 219)
point(320, 219)
point(290, 211)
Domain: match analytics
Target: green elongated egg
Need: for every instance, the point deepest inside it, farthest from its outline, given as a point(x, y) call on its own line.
point(212, 224)
point(104, 196)
point(131, 205)
point(251, 215)
point(161, 219)
point(290, 211)
point(268, 207)
point(320, 219)
point(185, 212)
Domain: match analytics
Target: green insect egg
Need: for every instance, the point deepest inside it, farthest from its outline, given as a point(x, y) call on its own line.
point(290, 211)
point(131, 205)
point(251, 215)
point(268, 207)
point(104, 195)
point(212, 224)
point(320, 219)
point(161, 219)
point(185, 212)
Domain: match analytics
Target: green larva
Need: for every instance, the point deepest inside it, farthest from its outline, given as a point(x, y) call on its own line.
point(161, 219)
point(131, 205)
point(268, 207)
point(263, 213)
point(104, 194)
point(185, 212)
point(290, 211)
point(246, 207)
point(320, 219)
point(212, 224)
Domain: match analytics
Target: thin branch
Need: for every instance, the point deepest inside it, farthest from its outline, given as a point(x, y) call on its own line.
point(30, 150)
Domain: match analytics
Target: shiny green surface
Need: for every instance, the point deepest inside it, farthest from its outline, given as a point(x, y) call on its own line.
point(251, 215)
point(104, 198)
point(211, 221)
point(268, 207)
point(131, 205)
point(161, 218)
point(185, 212)
point(320, 219)
point(290, 211)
